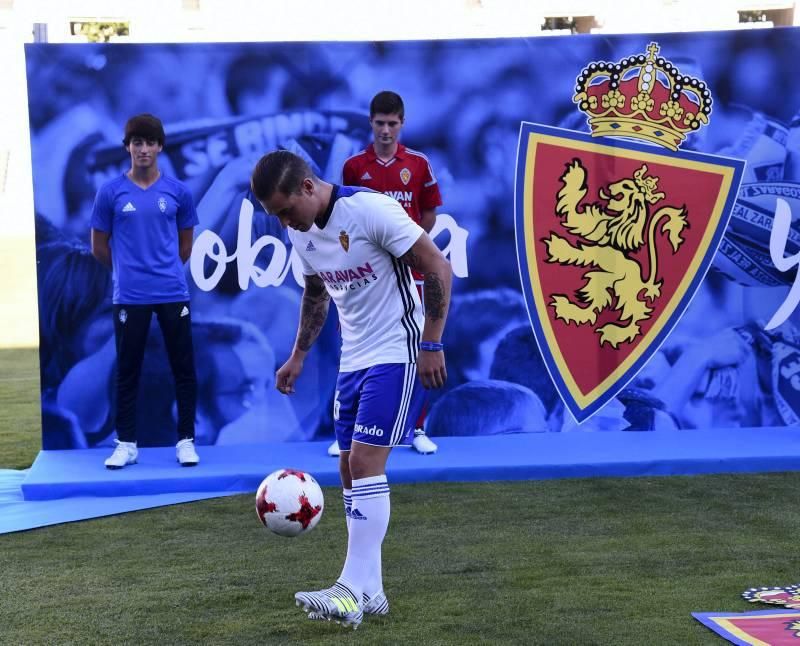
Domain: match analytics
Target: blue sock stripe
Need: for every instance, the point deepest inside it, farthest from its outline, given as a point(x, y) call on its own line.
point(370, 492)
point(370, 486)
point(378, 485)
point(374, 494)
point(360, 482)
point(374, 483)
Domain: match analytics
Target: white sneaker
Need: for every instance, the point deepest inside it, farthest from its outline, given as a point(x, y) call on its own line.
point(184, 451)
point(125, 453)
point(337, 603)
point(377, 605)
point(333, 449)
point(422, 443)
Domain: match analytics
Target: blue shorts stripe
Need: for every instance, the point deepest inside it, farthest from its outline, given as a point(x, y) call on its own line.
point(402, 414)
point(411, 373)
point(403, 400)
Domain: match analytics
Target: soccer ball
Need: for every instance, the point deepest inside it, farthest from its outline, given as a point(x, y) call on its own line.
point(289, 502)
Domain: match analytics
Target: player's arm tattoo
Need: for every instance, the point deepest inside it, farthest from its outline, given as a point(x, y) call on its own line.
point(432, 287)
point(313, 312)
point(411, 259)
point(435, 299)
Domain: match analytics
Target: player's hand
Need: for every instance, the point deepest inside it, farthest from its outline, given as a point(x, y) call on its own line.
point(431, 369)
point(287, 374)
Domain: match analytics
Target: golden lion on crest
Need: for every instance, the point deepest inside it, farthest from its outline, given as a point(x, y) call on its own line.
point(611, 234)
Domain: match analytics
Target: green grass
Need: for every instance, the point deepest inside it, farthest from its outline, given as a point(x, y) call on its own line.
point(20, 408)
point(593, 561)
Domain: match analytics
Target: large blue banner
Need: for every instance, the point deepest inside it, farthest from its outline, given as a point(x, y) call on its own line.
point(549, 330)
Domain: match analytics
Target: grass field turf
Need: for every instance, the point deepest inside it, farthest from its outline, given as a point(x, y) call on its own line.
point(590, 561)
point(20, 417)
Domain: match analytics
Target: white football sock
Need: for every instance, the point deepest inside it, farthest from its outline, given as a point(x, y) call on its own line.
point(369, 519)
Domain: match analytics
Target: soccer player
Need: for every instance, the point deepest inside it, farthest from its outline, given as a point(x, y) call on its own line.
point(389, 167)
point(142, 228)
point(358, 248)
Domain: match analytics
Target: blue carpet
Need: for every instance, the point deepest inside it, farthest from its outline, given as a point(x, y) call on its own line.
point(18, 514)
point(62, 486)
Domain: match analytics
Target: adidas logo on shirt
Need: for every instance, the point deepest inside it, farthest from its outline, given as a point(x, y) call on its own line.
point(366, 176)
point(310, 246)
point(184, 311)
point(128, 208)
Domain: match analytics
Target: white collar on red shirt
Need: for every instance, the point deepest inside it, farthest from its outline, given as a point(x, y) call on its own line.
point(400, 153)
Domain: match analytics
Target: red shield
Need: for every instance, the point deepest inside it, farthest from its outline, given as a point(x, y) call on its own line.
point(613, 239)
point(761, 627)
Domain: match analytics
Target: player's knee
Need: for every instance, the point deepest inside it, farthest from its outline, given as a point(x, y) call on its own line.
point(344, 469)
point(364, 465)
point(357, 465)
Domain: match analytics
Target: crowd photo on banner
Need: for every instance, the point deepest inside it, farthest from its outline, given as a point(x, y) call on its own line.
point(223, 106)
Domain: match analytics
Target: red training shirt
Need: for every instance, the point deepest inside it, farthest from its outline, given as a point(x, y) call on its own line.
point(407, 177)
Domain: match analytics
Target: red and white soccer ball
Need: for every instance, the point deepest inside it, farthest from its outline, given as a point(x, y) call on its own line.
point(289, 502)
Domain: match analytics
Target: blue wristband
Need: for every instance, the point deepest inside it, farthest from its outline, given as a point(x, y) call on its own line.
point(431, 346)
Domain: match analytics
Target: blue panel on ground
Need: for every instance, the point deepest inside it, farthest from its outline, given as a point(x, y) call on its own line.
point(65, 486)
point(62, 474)
point(17, 514)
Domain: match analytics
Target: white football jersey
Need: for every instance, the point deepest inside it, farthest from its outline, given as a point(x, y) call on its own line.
point(356, 256)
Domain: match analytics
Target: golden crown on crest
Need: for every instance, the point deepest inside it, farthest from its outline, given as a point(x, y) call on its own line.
point(643, 96)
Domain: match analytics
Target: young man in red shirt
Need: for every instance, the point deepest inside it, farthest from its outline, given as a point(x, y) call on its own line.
point(387, 166)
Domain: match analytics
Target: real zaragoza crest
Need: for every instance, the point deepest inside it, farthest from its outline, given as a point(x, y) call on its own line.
point(786, 596)
point(616, 230)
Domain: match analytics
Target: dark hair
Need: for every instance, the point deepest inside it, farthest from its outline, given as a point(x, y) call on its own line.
point(475, 317)
point(306, 80)
point(517, 359)
point(279, 172)
point(146, 126)
point(73, 287)
point(387, 102)
point(487, 407)
point(251, 72)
